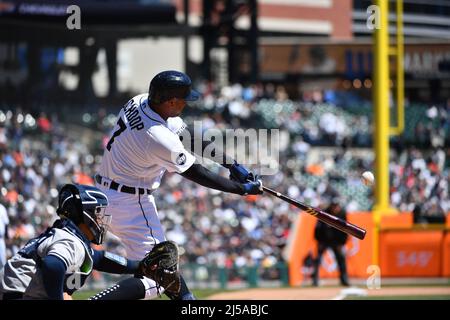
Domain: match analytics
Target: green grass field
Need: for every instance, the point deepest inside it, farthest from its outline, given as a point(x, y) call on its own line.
point(203, 294)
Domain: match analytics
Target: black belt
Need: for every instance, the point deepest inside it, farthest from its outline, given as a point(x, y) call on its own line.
point(115, 186)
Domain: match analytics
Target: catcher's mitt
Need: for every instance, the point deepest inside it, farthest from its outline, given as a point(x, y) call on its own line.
point(161, 265)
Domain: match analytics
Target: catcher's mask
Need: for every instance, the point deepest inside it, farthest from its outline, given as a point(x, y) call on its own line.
point(171, 84)
point(85, 204)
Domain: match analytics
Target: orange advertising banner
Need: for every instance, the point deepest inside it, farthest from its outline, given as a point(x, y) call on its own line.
point(405, 250)
point(446, 255)
point(411, 253)
point(304, 247)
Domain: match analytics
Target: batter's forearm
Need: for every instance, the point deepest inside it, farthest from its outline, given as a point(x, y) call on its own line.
point(216, 154)
point(209, 179)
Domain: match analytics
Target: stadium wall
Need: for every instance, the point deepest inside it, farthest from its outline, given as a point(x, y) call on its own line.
point(406, 250)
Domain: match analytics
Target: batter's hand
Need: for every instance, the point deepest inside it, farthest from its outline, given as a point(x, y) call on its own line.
point(240, 173)
point(253, 187)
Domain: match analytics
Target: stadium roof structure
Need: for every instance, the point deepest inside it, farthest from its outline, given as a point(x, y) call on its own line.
point(103, 23)
point(46, 20)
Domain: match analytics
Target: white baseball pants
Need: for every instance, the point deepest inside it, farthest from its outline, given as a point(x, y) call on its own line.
point(136, 223)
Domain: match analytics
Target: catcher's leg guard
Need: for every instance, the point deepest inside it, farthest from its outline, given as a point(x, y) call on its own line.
point(128, 289)
point(131, 289)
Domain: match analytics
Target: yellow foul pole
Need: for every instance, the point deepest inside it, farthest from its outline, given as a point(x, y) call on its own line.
point(381, 100)
point(381, 110)
point(398, 52)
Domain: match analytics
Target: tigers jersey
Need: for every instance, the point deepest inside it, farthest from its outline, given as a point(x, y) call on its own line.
point(143, 146)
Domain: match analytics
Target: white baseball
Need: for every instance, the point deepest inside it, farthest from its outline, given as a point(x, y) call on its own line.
point(367, 178)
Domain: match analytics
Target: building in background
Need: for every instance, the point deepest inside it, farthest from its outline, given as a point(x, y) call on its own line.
point(303, 44)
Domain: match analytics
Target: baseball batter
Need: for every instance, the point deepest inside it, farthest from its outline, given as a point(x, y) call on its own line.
point(4, 221)
point(61, 259)
point(145, 143)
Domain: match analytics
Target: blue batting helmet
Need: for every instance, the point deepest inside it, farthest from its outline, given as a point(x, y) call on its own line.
point(171, 84)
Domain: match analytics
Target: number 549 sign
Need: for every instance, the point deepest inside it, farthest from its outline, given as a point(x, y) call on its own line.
point(419, 259)
point(411, 253)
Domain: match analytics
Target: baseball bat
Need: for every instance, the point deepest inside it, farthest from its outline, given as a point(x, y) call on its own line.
point(323, 216)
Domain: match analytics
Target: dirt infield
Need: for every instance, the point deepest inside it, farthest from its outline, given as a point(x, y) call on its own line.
point(327, 293)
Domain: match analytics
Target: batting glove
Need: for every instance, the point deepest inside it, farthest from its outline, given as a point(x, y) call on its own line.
point(253, 187)
point(240, 173)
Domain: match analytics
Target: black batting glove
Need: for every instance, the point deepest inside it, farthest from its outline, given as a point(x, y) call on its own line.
point(240, 173)
point(253, 187)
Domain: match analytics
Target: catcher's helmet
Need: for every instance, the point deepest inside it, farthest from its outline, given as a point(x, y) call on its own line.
point(171, 84)
point(85, 204)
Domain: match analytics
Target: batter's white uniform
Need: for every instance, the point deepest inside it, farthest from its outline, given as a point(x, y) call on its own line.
point(4, 221)
point(142, 147)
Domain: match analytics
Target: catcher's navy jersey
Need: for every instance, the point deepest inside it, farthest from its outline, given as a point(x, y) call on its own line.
point(22, 273)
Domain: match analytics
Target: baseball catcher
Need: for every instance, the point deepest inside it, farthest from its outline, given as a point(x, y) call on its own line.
point(61, 259)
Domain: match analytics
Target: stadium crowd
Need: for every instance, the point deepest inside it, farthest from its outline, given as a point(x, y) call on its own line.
point(38, 154)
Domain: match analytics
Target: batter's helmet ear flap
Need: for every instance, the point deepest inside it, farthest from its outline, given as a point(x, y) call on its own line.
point(155, 98)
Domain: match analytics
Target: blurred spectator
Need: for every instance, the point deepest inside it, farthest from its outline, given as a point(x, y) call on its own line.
point(44, 123)
point(418, 214)
point(217, 229)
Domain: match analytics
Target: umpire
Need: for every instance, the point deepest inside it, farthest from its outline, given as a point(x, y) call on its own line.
point(329, 237)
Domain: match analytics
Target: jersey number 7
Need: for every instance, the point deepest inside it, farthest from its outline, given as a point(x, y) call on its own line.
point(117, 133)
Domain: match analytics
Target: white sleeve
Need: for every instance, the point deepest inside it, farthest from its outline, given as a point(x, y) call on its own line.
point(4, 215)
point(4, 220)
point(168, 151)
point(176, 125)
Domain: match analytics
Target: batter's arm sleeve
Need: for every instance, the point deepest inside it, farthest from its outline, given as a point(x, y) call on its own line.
point(53, 273)
point(205, 149)
point(209, 179)
point(112, 263)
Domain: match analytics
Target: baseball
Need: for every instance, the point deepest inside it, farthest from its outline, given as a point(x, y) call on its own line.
point(367, 178)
